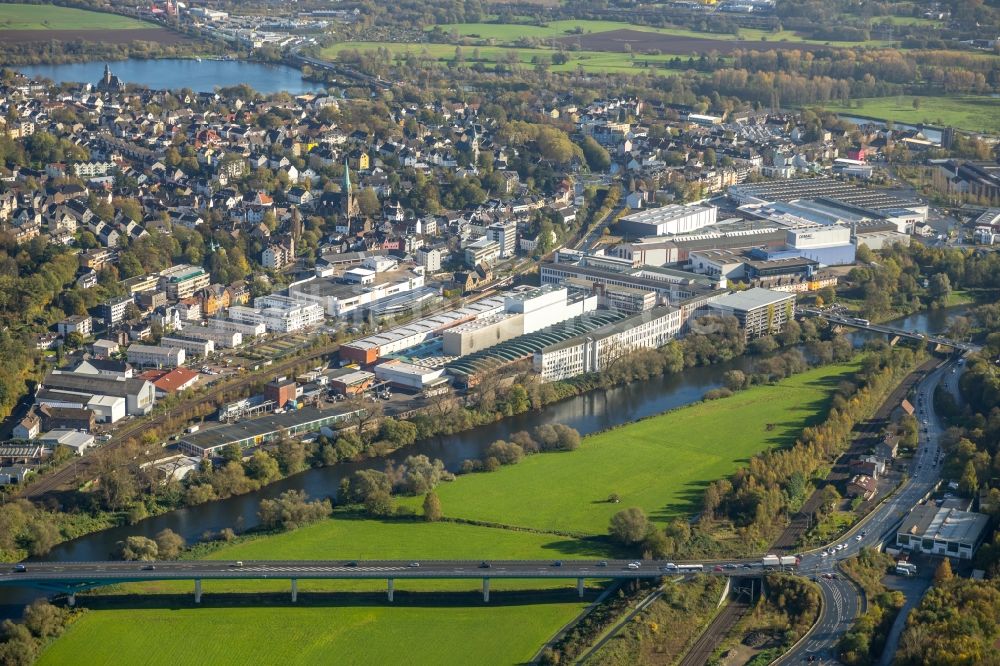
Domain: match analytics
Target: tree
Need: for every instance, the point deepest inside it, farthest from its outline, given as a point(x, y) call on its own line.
point(19, 647)
point(432, 507)
point(368, 202)
point(969, 483)
point(44, 620)
point(169, 544)
point(263, 467)
point(232, 452)
point(735, 380)
point(943, 572)
point(940, 287)
point(629, 526)
point(291, 456)
point(138, 548)
point(597, 157)
point(42, 536)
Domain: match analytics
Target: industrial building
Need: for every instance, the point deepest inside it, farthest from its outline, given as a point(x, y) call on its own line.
point(595, 350)
point(468, 370)
point(254, 432)
point(759, 311)
point(355, 292)
point(155, 356)
point(370, 349)
point(942, 531)
point(98, 393)
point(668, 220)
point(407, 375)
point(523, 312)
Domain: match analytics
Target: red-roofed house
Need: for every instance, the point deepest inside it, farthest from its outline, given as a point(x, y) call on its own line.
point(167, 382)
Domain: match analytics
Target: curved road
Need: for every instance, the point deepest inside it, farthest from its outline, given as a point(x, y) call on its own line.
point(841, 598)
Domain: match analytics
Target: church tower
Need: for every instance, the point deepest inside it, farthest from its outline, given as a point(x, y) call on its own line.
point(348, 205)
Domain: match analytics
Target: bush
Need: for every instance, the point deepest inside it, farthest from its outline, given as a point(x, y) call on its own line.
point(629, 526)
point(292, 510)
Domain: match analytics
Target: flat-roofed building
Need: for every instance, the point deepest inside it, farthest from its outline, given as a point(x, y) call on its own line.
point(155, 356)
point(598, 349)
point(192, 346)
point(407, 375)
point(759, 311)
point(82, 324)
point(942, 531)
point(183, 281)
point(672, 219)
point(219, 337)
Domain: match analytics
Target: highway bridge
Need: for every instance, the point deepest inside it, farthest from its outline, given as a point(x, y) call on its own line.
point(72, 577)
point(864, 324)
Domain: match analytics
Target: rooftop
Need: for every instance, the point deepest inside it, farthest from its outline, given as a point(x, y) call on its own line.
point(944, 524)
point(224, 434)
point(752, 299)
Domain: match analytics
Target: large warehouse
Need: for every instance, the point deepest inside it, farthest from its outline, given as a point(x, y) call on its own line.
point(668, 220)
point(942, 531)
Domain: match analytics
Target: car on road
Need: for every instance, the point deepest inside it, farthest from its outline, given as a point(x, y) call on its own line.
point(718, 567)
point(858, 538)
point(633, 565)
point(729, 566)
point(149, 567)
point(485, 565)
point(557, 563)
point(748, 566)
point(237, 564)
point(352, 563)
point(20, 568)
point(824, 554)
point(413, 565)
point(602, 563)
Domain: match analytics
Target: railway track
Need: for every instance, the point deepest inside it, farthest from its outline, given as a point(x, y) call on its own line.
point(66, 477)
point(714, 634)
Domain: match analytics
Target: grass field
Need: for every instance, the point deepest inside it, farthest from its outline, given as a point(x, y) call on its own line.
point(50, 17)
point(976, 113)
point(339, 635)
point(591, 61)
point(346, 628)
point(661, 464)
point(507, 32)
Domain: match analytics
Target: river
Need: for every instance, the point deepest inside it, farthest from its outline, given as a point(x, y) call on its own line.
point(589, 413)
point(175, 73)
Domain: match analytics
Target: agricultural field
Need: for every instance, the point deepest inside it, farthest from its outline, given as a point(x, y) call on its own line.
point(661, 464)
point(50, 17)
point(975, 113)
point(511, 32)
point(590, 61)
point(26, 24)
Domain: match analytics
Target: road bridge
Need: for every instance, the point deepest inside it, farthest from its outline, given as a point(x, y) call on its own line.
point(72, 577)
point(866, 325)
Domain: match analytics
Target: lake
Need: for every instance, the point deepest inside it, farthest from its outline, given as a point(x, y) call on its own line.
point(203, 76)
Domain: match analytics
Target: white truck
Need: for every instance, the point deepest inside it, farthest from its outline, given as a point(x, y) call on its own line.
point(772, 561)
point(783, 561)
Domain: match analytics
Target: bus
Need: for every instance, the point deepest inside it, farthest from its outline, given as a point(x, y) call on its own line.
point(690, 567)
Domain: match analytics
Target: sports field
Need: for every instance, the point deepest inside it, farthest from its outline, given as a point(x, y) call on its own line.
point(661, 464)
point(975, 113)
point(50, 17)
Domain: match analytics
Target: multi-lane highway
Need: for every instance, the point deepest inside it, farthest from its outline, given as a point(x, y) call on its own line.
point(841, 598)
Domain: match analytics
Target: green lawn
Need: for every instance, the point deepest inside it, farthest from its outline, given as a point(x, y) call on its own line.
point(309, 636)
point(976, 113)
point(50, 17)
point(661, 464)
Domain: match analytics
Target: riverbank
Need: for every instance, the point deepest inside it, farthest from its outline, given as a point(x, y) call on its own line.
point(527, 619)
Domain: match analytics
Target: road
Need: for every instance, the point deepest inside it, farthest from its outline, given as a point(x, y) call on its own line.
point(67, 574)
point(841, 601)
point(588, 242)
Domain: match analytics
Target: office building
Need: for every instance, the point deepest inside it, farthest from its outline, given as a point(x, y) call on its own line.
point(482, 251)
point(279, 314)
point(192, 346)
point(113, 310)
point(155, 356)
point(596, 350)
point(183, 281)
point(759, 311)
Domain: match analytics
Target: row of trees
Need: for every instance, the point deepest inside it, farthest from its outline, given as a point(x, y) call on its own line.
point(22, 642)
